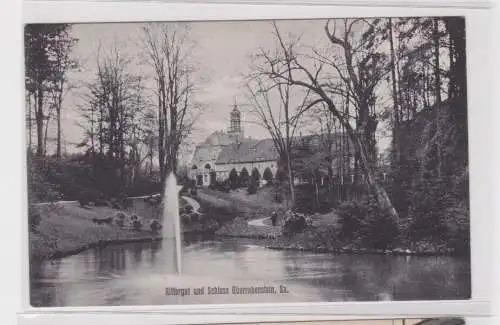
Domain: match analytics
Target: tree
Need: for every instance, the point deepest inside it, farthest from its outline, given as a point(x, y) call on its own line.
point(168, 53)
point(113, 103)
point(47, 48)
point(244, 177)
point(268, 175)
point(62, 63)
point(255, 175)
point(276, 108)
point(254, 181)
point(360, 81)
point(233, 179)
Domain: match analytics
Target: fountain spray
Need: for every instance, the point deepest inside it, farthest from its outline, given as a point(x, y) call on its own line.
point(171, 219)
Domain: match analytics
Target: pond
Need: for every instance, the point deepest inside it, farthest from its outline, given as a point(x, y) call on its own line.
point(139, 273)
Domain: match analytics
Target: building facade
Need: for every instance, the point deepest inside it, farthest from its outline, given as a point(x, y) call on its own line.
point(224, 152)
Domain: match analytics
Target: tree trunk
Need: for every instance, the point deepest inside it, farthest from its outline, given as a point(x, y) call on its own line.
point(290, 181)
point(45, 137)
point(161, 131)
point(437, 85)
point(58, 112)
point(316, 193)
point(30, 128)
point(39, 121)
point(380, 193)
point(395, 132)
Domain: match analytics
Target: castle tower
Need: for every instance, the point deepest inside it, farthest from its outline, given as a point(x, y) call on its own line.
point(235, 127)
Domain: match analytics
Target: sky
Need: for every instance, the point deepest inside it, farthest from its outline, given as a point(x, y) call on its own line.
point(222, 55)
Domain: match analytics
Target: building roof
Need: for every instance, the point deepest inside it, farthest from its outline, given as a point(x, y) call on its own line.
point(204, 153)
point(218, 138)
point(248, 150)
point(235, 111)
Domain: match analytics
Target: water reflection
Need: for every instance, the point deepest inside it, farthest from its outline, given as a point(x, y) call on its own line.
point(137, 274)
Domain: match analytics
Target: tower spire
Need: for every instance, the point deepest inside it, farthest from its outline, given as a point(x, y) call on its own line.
point(235, 124)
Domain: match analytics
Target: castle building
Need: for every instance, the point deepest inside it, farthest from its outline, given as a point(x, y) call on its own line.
point(225, 151)
point(222, 151)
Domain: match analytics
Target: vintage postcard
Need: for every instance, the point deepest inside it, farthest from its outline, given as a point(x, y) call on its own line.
point(263, 161)
point(395, 321)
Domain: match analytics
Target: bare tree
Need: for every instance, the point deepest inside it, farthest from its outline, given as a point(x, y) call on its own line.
point(60, 85)
point(277, 110)
point(359, 71)
point(168, 53)
point(113, 103)
point(45, 46)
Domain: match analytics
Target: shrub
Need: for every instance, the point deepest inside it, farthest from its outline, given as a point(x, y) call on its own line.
point(34, 218)
point(233, 179)
point(254, 182)
point(220, 186)
point(294, 222)
point(186, 219)
point(116, 204)
point(120, 222)
point(39, 187)
point(194, 217)
point(120, 219)
point(255, 177)
point(244, 178)
point(362, 222)
point(457, 223)
point(155, 226)
point(309, 199)
point(252, 188)
point(85, 197)
point(268, 175)
point(137, 224)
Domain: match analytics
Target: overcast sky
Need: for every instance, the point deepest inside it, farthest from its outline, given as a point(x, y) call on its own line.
point(222, 55)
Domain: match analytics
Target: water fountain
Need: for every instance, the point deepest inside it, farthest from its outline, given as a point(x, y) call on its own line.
point(171, 233)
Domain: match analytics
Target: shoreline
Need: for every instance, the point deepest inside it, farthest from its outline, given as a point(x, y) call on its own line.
point(102, 243)
point(46, 246)
point(58, 254)
point(345, 251)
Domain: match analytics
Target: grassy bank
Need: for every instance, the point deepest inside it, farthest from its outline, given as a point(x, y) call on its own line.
point(327, 240)
point(66, 228)
point(324, 235)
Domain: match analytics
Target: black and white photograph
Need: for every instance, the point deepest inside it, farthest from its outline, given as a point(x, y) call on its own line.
point(395, 321)
point(257, 161)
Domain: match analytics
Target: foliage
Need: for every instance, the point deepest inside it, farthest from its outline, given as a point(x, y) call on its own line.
point(223, 186)
point(310, 199)
point(255, 175)
point(268, 175)
point(40, 189)
point(362, 222)
point(34, 217)
point(47, 61)
point(168, 53)
point(233, 179)
point(254, 182)
point(252, 187)
point(155, 226)
point(295, 222)
point(244, 177)
point(137, 224)
point(86, 178)
point(429, 183)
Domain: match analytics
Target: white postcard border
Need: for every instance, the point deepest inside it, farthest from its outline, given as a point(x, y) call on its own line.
point(479, 61)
